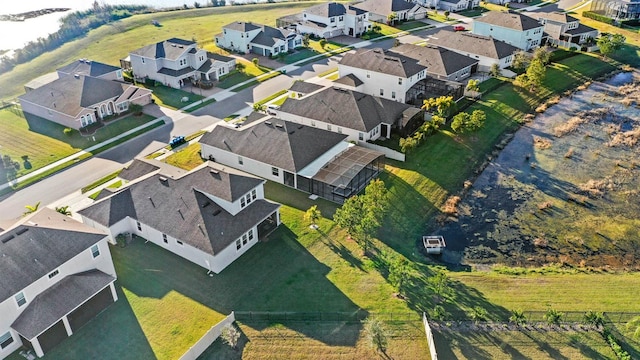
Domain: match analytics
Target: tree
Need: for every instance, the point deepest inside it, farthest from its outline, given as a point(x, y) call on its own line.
point(230, 335)
point(349, 214)
point(438, 313)
point(446, 15)
point(517, 317)
point(240, 66)
point(610, 43)
point(440, 284)
point(376, 198)
point(533, 77)
point(407, 144)
point(476, 121)
point(323, 43)
point(443, 105)
point(313, 215)
point(30, 209)
point(306, 40)
point(398, 273)
point(437, 121)
point(594, 318)
point(391, 18)
point(634, 325)
point(259, 107)
point(376, 334)
point(473, 85)
point(366, 229)
point(64, 210)
point(459, 121)
point(520, 59)
point(543, 54)
point(552, 316)
point(495, 70)
point(256, 62)
point(478, 314)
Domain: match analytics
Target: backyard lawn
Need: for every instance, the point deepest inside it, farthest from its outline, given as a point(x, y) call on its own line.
point(35, 142)
point(187, 157)
point(249, 72)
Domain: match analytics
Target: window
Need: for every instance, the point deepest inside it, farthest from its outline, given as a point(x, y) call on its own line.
point(329, 127)
point(95, 251)
point(399, 81)
point(340, 18)
point(368, 74)
point(245, 239)
point(164, 238)
point(5, 340)
point(339, 130)
point(333, 20)
point(313, 123)
point(53, 273)
point(20, 299)
point(143, 60)
point(250, 234)
point(381, 92)
point(243, 202)
point(119, 74)
point(360, 136)
point(238, 244)
point(240, 161)
point(248, 198)
point(275, 171)
point(393, 94)
point(253, 194)
point(139, 225)
point(123, 106)
point(179, 242)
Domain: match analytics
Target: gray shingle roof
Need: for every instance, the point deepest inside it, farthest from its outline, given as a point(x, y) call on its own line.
point(180, 208)
point(304, 87)
point(438, 60)
point(581, 29)
point(70, 95)
point(242, 26)
point(288, 146)
point(346, 108)
point(553, 16)
point(511, 20)
point(349, 80)
point(136, 169)
point(333, 9)
point(87, 67)
point(473, 44)
point(169, 49)
point(384, 7)
point(382, 61)
point(39, 245)
point(58, 300)
point(176, 73)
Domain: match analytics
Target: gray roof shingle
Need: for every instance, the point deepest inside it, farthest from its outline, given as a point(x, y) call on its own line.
point(181, 209)
point(304, 87)
point(386, 62)
point(333, 9)
point(87, 67)
point(288, 145)
point(242, 26)
point(346, 108)
point(39, 245)
point(511, 20)
point(384, 7)
point(438, 60)
point(473, 44)
point(169, 49)
point(349, 80)
point(59, 300)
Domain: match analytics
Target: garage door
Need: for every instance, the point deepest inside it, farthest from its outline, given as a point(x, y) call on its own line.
point(52, 337)
point(90, 309)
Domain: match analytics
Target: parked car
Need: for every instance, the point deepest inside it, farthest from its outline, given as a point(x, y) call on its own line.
point(177, 141)
point(459, 28)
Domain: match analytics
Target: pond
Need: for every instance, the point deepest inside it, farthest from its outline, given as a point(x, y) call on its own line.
point(565, 190)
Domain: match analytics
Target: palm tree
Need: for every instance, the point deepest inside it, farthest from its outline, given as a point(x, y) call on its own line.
point(634, 325)
point(553, 316)
point(478, 314)
point(313, 215)
point(64, 210)
point(517, 317)
point(30, 209)
point(594, 318)
point(376, 334)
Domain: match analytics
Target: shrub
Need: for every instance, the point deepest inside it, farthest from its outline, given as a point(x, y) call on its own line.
point(67, 131)
point(598, 17)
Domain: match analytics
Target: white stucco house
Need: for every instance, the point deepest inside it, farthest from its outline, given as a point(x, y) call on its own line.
point(380, 10)
point(359, 116)
point(383, 73)
point(441, 63)
point(485, 49)
point(175, 61)
point(450, 5)
point(78, 99)
point(207, 216)
point(57, 274)
point(514, 28)
point(306, 158)
point(248, 37)
point(332, 19)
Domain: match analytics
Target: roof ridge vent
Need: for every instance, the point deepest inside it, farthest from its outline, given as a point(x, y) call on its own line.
point(267, 122)
point(22, 231)
point(217, 212)
point(279, 126)
point(163, 179)
point(6, 239)
point(214, 171)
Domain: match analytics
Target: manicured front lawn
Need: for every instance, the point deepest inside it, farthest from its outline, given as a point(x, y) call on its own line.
point(410, 25)
point(249, 72)
point(186, 158)
point(170, 97)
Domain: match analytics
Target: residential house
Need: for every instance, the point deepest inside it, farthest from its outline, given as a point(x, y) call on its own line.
point(359, 116)
point(307, 158)
point(449, 5)
point(386, 74)
point(563, 29)
point(332, 19)
point(617, 10)
point(247, 37)
point(485, 49)
point(57, 274)
point(381, 10)
point(80, 67)
point(208, 216)
point(514, 28)
point(441, 63)
point(175, 61)
point(505, 2)
point(76, 101)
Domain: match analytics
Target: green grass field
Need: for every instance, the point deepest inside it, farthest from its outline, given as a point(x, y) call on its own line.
point(185, 158)
point(112, 42)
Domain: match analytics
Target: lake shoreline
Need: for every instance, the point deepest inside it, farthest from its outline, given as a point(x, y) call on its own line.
point(31, 14)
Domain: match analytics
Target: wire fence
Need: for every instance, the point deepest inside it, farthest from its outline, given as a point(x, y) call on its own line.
point(349, 317)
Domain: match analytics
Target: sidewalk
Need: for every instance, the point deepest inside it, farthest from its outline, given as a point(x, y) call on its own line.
point(168, 115)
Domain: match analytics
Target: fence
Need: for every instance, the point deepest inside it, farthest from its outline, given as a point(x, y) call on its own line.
point(390, 153)
point(432, 344)
point(350, 317)
point(207, 339)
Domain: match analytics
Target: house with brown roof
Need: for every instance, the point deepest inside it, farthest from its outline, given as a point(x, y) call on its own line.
point(380, 10)
point(77, 99)
point(563, 29)
point(174, 62)
point(328, 20)
point(208, 216)
point(441, 63)
point(57, 274)
point(512, 27)
point(485, 49)
point(248, 37)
